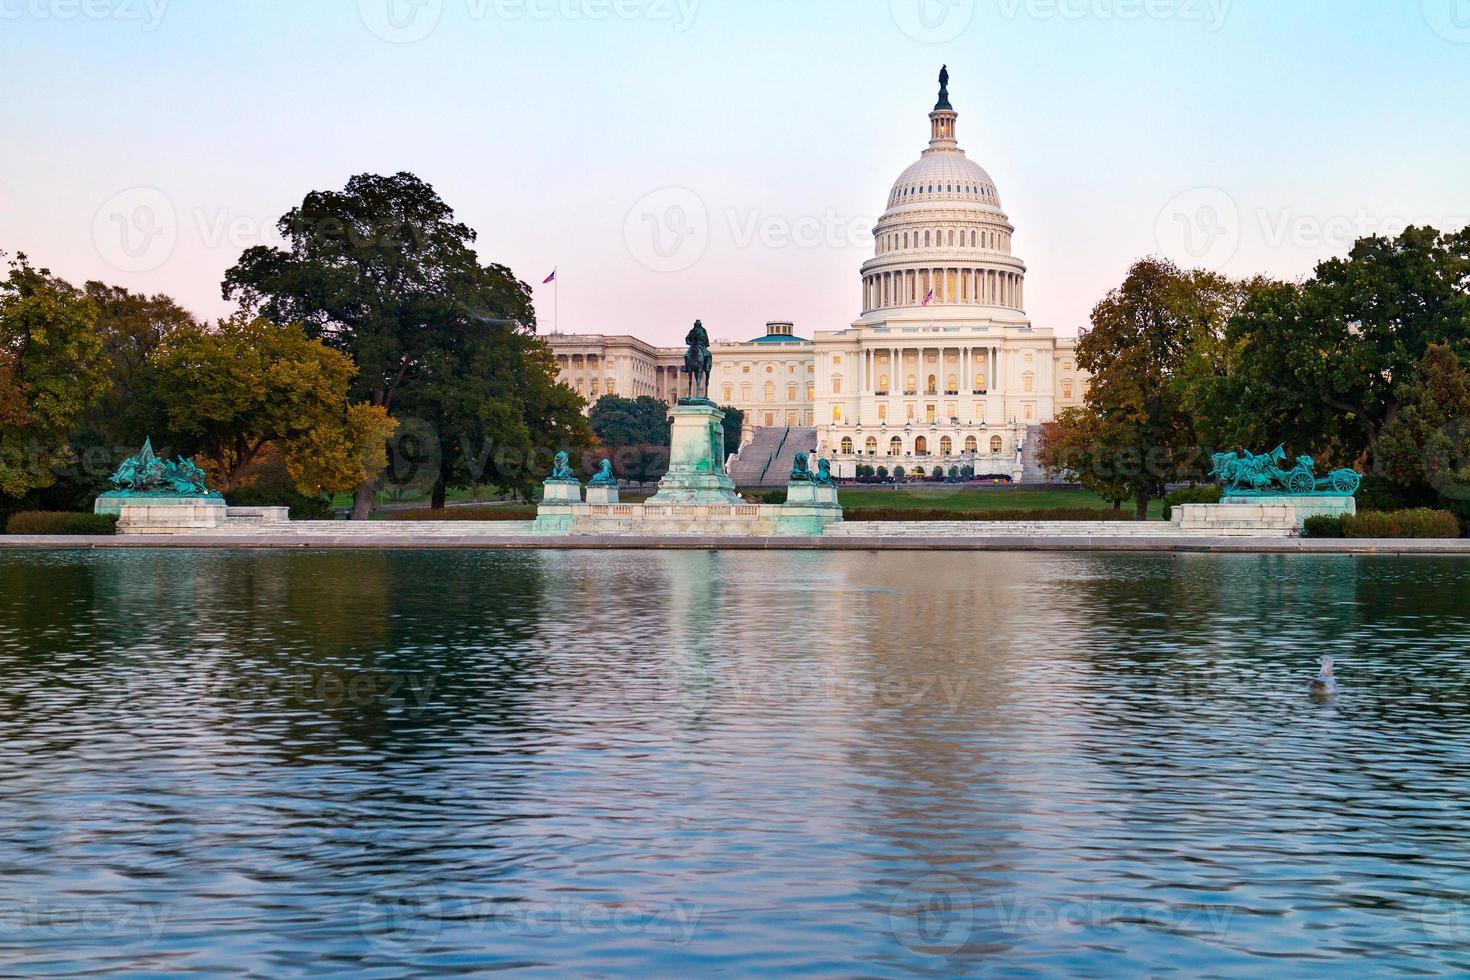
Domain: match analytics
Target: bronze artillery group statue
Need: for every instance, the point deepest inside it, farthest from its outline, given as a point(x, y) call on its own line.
point(1247, 474)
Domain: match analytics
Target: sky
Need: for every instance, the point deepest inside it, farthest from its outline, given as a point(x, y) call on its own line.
point(727, 159)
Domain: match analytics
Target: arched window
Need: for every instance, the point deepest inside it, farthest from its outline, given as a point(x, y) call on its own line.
point(926, 239)
point(974, 239)
point(951, 238)
point(980, 382)
point(996, 445)
point(895, 446)
point(912, 388)
point(847, 447)
point(872, 446)
point(921, 446)
point(946, 446)
point(971, 446)
point(770, 391)
point(952, 385)
point(933, 388)
point(883, 384)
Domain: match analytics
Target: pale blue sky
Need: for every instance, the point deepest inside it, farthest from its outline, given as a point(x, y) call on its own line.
point(1249, 135)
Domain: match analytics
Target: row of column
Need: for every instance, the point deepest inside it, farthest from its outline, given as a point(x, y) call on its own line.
point(951, 286)
point(975, 364)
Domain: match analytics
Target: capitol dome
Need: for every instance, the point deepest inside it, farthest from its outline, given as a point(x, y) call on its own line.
point(944, 239)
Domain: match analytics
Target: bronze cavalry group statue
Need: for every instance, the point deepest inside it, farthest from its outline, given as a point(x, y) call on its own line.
point(1250, 474)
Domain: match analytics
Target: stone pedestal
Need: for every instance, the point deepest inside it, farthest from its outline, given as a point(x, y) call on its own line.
point(163, 515)
point(1320, 505)
point(697, 459)
point(603, 495)
point(561, 501)
point(809, 508)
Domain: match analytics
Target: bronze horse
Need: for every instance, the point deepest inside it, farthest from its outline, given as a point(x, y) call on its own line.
point(699, 363)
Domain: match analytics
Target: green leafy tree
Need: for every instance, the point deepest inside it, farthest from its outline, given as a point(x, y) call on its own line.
point(52, 367)
point(1071, 448)
point(225, 394)
point(1322, 365)
point(734, 429)
point(383, 272)
point(638, 434)
point(1426, 448)
point(1141, 352)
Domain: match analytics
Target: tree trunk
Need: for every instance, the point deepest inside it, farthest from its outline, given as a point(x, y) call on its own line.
point(362, 504)
point(1142, 511)
point(440, 494)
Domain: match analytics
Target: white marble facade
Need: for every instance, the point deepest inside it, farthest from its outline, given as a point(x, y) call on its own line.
point(942, 368)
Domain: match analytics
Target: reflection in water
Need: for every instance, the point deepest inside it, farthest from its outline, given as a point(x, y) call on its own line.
point(268, 763)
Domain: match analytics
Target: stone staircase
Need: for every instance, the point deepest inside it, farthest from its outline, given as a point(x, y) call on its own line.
point(767, 460)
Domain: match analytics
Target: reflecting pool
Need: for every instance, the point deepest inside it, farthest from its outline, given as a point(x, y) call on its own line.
point(411, 763)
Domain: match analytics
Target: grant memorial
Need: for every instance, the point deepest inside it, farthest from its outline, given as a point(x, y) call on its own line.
point(697, 496)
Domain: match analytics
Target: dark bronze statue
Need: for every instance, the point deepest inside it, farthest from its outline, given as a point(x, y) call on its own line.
point(943, 90)
point(699, 363)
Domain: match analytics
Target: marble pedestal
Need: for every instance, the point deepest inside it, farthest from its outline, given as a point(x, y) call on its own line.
point(163, 515)
point(697, 459)
point(561, 501)
point(809, 509)
point(1320, 505)
point(602, 496)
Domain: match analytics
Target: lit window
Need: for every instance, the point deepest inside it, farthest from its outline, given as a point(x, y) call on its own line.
point(971, 446)
point(995, 445)
point(847, 447)
point(836, 413)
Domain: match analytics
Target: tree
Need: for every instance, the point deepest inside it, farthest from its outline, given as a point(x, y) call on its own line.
point(1070, 448)
point(1139, 352)
point(1426, 447)
point(643, 421)
point(383, 272)
point(226, 394)
point(734, 429)
point(1322, 365)
point(132, 327)
point(51, 368)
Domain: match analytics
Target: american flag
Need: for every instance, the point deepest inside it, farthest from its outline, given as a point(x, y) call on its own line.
point(930, 298)
point(549, 279)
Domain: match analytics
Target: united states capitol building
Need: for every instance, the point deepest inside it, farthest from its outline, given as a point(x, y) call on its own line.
point(942, 368)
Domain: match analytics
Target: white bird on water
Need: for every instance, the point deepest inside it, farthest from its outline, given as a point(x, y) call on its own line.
point(1326, 683)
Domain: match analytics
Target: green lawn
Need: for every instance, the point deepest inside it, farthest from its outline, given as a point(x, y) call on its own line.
point(920, 497)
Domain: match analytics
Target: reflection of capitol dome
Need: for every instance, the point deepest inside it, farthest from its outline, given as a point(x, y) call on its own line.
point(944, 237)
